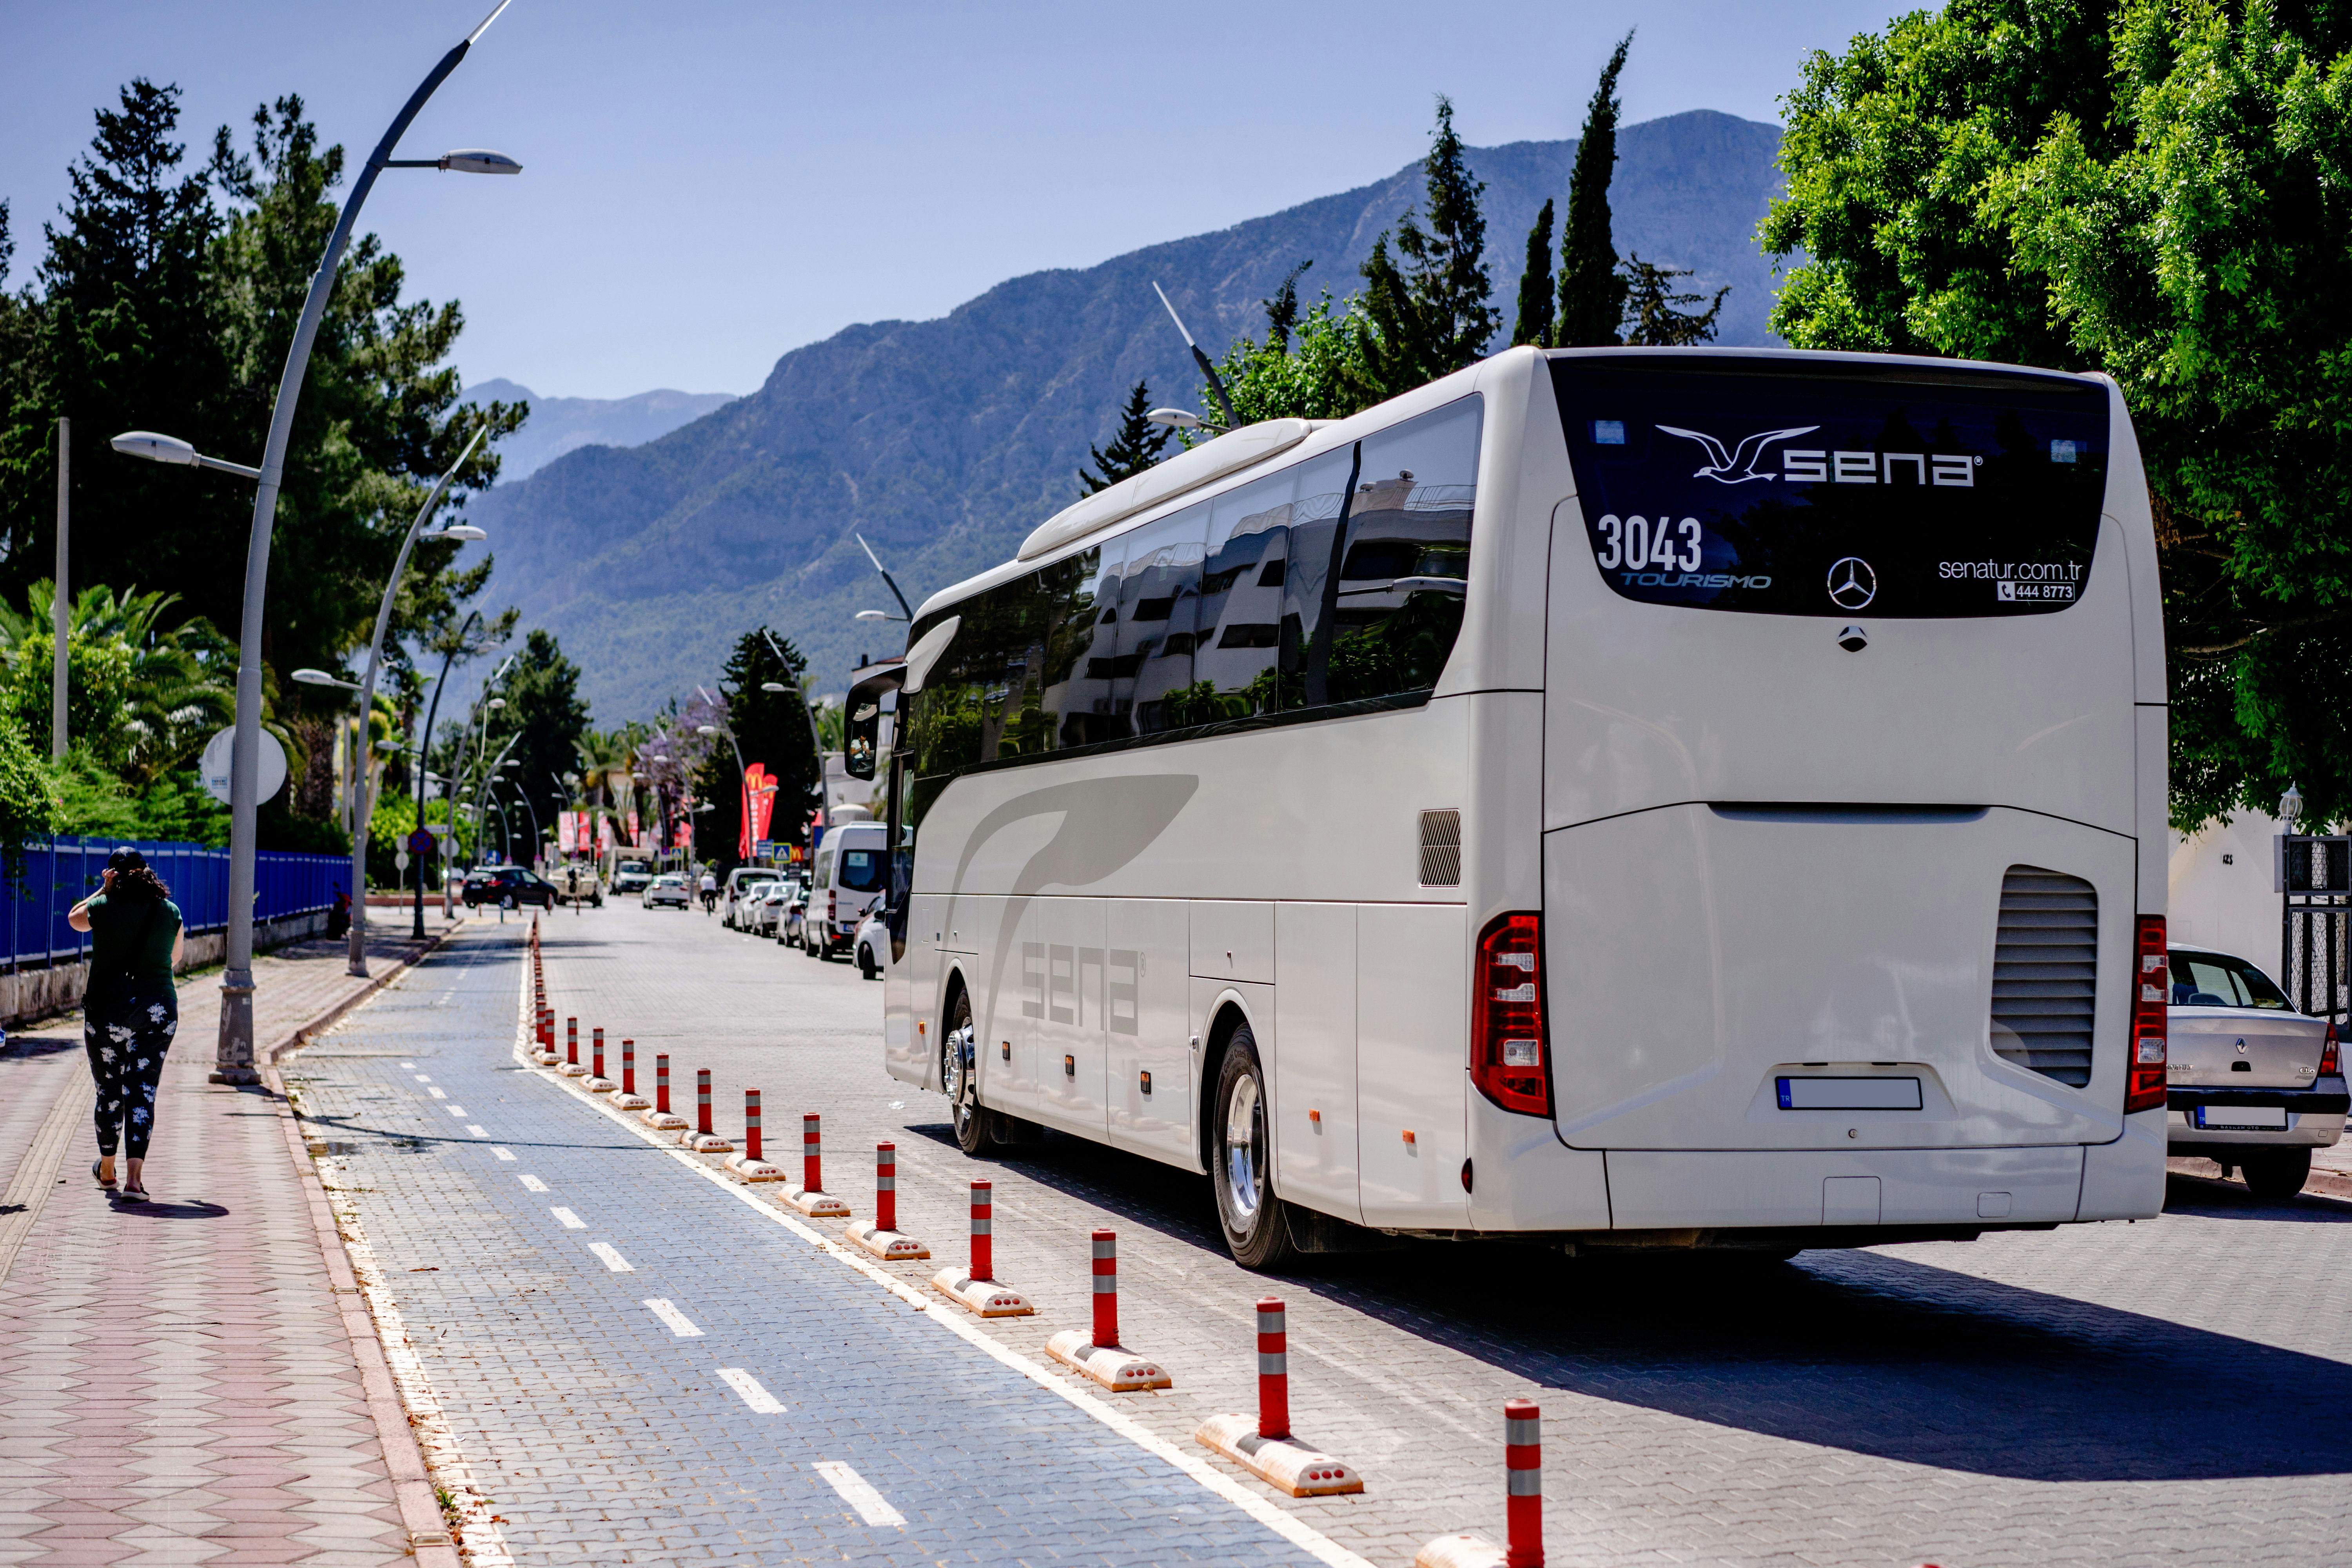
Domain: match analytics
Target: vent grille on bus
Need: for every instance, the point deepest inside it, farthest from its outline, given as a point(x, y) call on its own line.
point(2045, 972)
point(1440, 848)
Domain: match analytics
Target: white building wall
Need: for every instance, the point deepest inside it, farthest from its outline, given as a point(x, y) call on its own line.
point(2223, 890)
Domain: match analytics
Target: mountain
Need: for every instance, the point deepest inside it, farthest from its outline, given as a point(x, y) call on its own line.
point(943, 442)
point(557, 425)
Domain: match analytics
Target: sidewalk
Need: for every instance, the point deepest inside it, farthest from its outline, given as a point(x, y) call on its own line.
point(180, 1381)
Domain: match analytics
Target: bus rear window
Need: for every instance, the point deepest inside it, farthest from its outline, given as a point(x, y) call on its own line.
point(1794, 488)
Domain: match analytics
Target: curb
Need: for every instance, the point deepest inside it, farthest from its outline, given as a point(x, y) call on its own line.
point(306, 1033)
point(411, 1484)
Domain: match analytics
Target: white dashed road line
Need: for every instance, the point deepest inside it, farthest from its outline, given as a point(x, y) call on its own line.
point(762, 1401)
point(473, 1131)
point(501, 1153)
point(458, 1110)
point(859, 1493)
point(438, 1093)
point(569, 1220)
point(679, 1323)
point(531, 1184)
point(405, 1066)
point(613, 1259)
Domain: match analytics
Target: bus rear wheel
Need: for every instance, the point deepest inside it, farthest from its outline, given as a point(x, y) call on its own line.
point(1257, 1228)
point(959, 1077)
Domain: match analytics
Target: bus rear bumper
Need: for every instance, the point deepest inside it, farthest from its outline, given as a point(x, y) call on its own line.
point(1671, 1189)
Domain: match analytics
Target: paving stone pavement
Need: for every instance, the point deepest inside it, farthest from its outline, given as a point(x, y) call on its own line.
point(2169, 1389)
point(176, 1382)
point(523, 1235)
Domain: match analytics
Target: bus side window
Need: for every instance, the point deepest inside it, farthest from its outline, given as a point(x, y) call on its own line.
point(1404, 573)
point(1159, 603)
point(1305, 589)
point(1079, 601)
point(1240, 617)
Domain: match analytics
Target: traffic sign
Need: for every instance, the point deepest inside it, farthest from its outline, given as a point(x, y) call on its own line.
point(420, 842)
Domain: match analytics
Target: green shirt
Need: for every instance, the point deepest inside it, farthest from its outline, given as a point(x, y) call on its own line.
point(133, 937)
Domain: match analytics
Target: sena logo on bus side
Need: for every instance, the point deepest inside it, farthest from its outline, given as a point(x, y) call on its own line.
point(1853, 583)
point(1737, 466)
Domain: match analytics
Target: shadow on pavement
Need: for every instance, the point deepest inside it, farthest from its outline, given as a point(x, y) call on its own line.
point(2214, 1198)
point(137, 1209)
point(1854, 1350)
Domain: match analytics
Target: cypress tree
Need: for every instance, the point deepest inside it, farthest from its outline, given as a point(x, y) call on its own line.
point(1432, 308)
point(1136, 448)
point(1281, 312)
point(1654, 317)
point(1591, 295)
point(1535, 286)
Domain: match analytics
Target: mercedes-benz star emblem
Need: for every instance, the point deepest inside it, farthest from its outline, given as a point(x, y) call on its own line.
point(1853, 583)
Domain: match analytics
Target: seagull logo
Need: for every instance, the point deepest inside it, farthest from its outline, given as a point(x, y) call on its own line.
point(1736, 468)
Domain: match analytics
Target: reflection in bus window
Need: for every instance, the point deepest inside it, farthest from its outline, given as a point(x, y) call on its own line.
point(1398, 592)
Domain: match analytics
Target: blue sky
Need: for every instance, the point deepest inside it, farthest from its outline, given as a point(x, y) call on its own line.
point(708, 184)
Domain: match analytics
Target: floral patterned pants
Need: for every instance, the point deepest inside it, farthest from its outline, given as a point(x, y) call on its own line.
point(126, 1061)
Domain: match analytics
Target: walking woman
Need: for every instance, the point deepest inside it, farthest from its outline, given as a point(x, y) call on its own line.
point(131, 1008)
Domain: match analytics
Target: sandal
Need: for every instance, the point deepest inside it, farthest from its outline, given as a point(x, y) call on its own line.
point(95, 1166)
point(136, 1194)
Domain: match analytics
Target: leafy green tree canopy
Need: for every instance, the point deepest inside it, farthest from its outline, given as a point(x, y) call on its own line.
point(2160, 190)
point(772, 728)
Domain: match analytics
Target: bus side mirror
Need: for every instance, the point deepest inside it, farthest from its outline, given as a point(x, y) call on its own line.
point(868, 723)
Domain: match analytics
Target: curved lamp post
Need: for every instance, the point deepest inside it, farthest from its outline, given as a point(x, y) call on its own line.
point(432, 710)
point(233, 1059)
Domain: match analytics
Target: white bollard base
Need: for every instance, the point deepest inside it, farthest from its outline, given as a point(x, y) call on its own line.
point(1118, 1370)
point(572, 1069)
point(752, 1170)
point(1283, 1463)
point(887, 1245)
point(667, 1120)
point(1461, 1551)
point(544, 1058)
point(817, 1205)
point(706, 1143)
point(625, 1101)
point(985, 1298)
point(600, 1086)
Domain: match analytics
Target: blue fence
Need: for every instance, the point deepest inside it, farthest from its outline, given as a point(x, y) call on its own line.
point(59, 872)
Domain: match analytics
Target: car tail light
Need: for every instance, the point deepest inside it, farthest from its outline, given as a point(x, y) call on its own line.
point(2331, 1055)
point(2152, 978)
point(1507, 1040)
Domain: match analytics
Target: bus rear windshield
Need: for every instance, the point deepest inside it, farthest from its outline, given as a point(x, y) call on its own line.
point(1781, 486)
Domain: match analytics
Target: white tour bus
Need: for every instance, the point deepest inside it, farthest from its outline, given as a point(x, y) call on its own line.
point(1605, 798)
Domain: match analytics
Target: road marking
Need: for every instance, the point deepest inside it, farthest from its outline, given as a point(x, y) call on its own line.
point(438, 1093)
point(454, 1109)
point(679, 1323)
point(1321, 1547)
point(859, 1493)
point(501, 1153)
point(569, 1220)
point(762, 1401)
point(531, 1184)
point(471, 1131)
point(421, 1078)
point(613, 1259)
point(405, 1066)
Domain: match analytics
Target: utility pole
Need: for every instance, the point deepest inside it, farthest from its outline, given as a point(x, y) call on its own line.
point(60, 606)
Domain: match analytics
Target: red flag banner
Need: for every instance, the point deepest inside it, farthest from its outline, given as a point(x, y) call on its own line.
point(746, 807)
point(564, 841)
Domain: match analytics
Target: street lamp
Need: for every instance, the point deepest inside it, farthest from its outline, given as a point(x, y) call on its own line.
point(158, 449)
point(416, 930)
point(233, 1058)
point(363, 798)
point(906, 611)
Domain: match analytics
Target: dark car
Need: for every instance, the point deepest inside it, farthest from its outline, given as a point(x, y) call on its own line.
point(505, 884)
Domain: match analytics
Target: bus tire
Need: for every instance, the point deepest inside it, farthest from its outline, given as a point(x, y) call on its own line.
point(959, 1077)
point(1257, 1230)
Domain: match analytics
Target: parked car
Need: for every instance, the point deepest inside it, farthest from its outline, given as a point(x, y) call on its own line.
point(845, 881)
point(578, 883)
point(765, 904)
point(2253, 1084)
point(504, 884)
point(873, 943)
point(669, 889)
point(733, 890)
point(632, 877)
point(795, 918)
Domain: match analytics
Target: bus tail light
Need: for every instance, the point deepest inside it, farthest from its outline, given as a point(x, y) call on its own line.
point(1508, 1043)
point(2331, 1053)
point(2151, 998)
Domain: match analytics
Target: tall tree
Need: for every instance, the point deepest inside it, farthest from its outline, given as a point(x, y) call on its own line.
point(1282, 308)
point(1134, 447)
point(1430, 306)
point(545, 719)
point(1534, 323)
point(1591, 294)
point(2161, 191)
point(772, 728)
point(1658, 314)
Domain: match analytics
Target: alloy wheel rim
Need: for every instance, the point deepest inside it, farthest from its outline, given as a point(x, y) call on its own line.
point(1244, 1127)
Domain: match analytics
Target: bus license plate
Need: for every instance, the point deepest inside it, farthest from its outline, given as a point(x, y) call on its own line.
point(1849, 1094)
point(2243, 1118)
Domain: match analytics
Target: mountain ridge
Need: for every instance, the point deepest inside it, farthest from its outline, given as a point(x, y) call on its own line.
point(943, 441)
point(558, 424)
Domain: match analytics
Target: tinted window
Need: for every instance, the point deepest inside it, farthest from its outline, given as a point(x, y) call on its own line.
point(1403, 565)
point(2211, 979)
point(862, 868)
point(1785, 488)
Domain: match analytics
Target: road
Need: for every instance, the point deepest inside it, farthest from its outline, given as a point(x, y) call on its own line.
point(2171, 1388)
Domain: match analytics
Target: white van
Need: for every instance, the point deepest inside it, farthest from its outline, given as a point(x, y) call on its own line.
point(846, 881)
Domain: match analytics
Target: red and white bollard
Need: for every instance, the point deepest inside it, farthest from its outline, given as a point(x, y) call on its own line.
point(1263, 1445)
point(629, 1098)
point(810, 1197)
point(976, 1287)
point(882, 1238)
point(571, 1047)
point(1522, 1503)
point(702, 1139)
point(597, 1082)
point(660, 1115)
point(748, 1164)
point(1102, 1358)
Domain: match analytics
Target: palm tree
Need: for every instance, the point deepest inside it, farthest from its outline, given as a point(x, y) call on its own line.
point(145, 696)
point(608, 767)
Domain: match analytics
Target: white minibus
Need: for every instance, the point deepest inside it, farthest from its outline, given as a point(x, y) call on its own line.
point(1610, 797)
